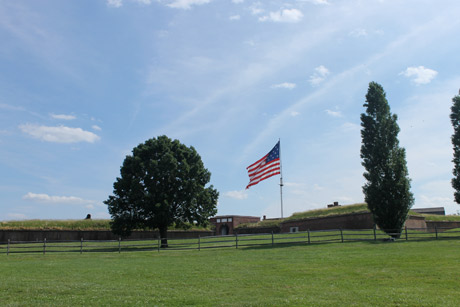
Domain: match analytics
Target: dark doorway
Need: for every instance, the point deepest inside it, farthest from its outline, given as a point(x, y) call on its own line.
point(224, 230)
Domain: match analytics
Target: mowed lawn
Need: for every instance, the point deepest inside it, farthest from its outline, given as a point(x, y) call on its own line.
point(425, 273)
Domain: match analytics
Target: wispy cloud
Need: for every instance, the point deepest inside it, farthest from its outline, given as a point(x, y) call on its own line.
point(319, 75)
point(114, 3)
point(45, 198)
point(187, 4)
point(333, 113)
point(8, 107)
point(256, 8)
point(286, 15)
point(96, 127)
point(295, 113)
point(59, 134)
point(317, 2)
point(234, 17)
point(63, 116)
point(420, 74)
point(236, 194)
point(358, 32)
point(16, 216)
point(286, 85)
point(146, 2)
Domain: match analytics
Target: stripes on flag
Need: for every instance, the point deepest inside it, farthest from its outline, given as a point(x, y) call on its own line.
point(268, 166)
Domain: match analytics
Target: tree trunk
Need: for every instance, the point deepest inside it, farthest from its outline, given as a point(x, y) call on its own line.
point(164, 236)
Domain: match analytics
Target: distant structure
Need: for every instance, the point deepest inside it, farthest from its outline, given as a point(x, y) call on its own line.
point(225, 224)
point(335, 204)
point(435, 210)
point(88, 217)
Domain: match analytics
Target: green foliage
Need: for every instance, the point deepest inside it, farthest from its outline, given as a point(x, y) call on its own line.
point(347, 209)
point(262, 224)
point(387, 190)
point(437, 218)
point(355, 208)
point(421, 273)
point(162, 183)
point(455, 119)
point(92, 224)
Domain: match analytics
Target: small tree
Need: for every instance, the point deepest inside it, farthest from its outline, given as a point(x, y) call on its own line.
point(455, 119)
point(162, 183)
point(387, 190)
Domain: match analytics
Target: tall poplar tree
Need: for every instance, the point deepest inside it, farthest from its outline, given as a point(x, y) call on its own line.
point(387, 190)
point(455, 119)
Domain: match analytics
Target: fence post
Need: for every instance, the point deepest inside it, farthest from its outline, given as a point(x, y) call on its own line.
point(81, 245)
point(436, 230)
point(341, 234)
point(8, 248)
point(309, 236)
point(375, 232)
point(273, 239)
point(44, 246)
point(236, 239)
point(119, 245)
point(199, 242)
point(159, 239)
point(405, 229)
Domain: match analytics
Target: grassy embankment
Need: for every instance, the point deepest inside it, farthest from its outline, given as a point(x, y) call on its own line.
point(92, 224)
point(347, 209)
point(351, 274)
point(104, 224)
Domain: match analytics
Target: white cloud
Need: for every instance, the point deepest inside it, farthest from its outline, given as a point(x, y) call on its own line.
point(256, 8)
point(420, 74)
point(237, 1)
point(334, 113)
point(8, 107)
point(60, 134)
point(96, 127)
point(319, 75)
point(286, 15)
point(295, 113)
point(45, 198)
point(114, 3)
point(16, 216)
point(236, 194)
point(187, 4)
point(286, 85)
point(350, 127)
point(317, 187)
point(63, 116)
point(321, 2)
point(146, 2)
point(358, 32)
point(235, 17)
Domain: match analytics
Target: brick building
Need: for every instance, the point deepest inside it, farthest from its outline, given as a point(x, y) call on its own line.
point(224, 224)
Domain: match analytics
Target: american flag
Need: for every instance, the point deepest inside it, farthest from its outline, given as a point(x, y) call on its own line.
point(269, 165)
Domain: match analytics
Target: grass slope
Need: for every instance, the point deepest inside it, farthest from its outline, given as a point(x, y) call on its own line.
point(358, 274)
point(56, 224)
point(92, 224)
point(355, 208)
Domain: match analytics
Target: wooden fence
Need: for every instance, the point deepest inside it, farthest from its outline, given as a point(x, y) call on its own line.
point(229, 241)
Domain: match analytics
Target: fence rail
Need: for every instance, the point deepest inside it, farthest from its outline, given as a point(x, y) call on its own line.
point(229, 241)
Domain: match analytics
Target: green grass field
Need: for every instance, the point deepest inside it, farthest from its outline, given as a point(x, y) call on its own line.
point(423, 273)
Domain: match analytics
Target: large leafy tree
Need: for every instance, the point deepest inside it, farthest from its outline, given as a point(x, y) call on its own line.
point(387, 190)
point(162, 183)
point(455, 119)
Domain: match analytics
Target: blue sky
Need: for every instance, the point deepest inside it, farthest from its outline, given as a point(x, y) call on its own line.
point(83, 82)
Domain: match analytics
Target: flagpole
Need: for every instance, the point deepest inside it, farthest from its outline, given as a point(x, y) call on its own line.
point(281, 179)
